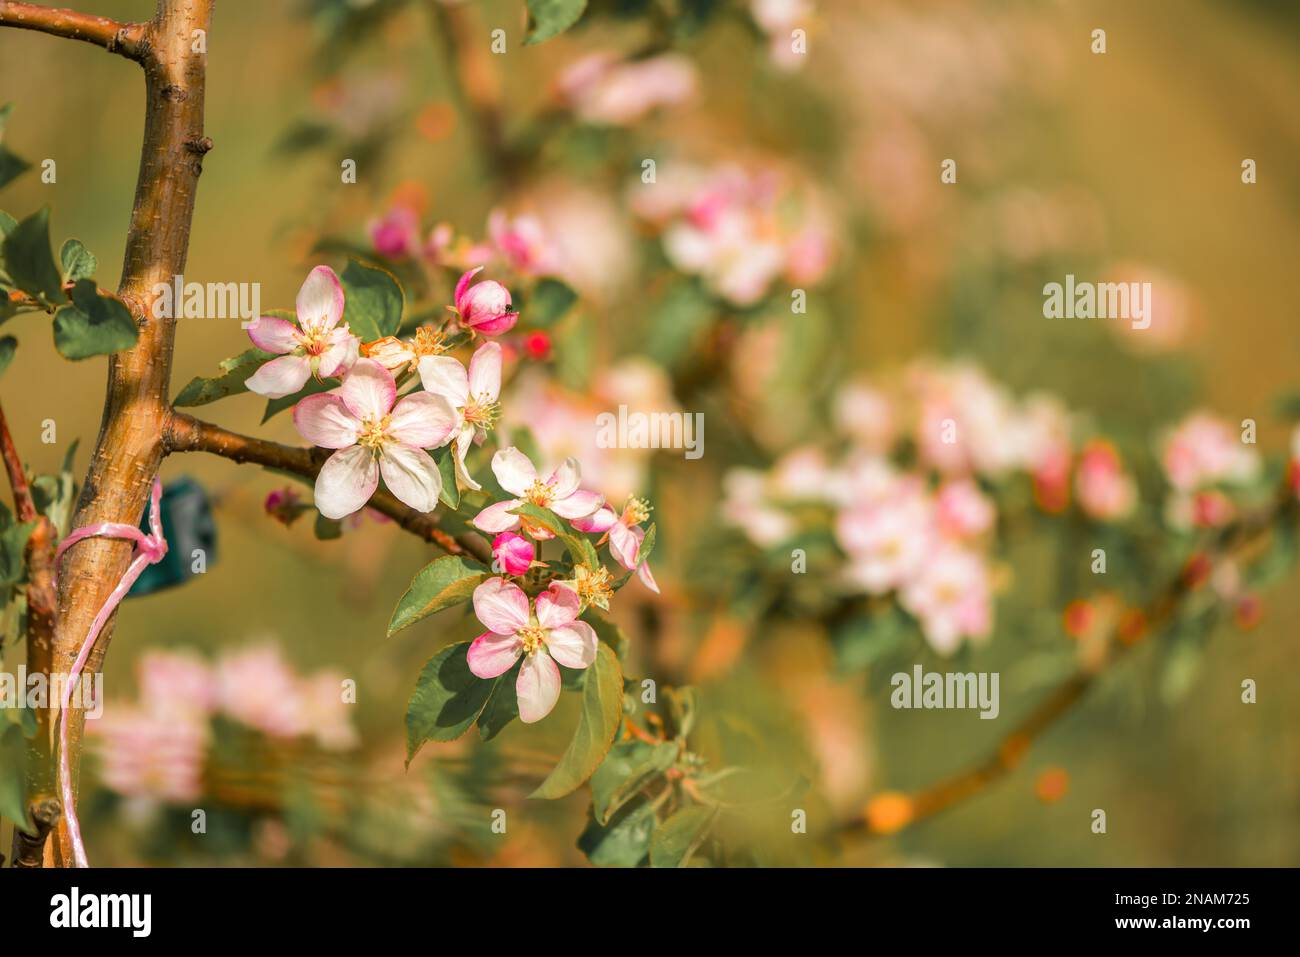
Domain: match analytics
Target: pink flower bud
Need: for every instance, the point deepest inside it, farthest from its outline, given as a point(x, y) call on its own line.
point(396, 235)
point(513, 553)
point(485, 307)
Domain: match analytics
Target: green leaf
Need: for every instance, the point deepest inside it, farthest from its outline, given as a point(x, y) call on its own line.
point(13, 778)
point(28, 259)
point(550, 300)
point(503, 706)
point(373, 301)
point(602, 713)
point(440, 584)
point(624, 841)
point(608, 632)
point(629, 767)
point(579, 546)
point(683, 707)
point(93, 325)
point(56, 495)
point(8, 345)
point(235, 371)
point(447, 699)
point(549, 18)
point(450, 495)
point(11, 166)
point(327, 529)
point(13, 541)
point(680, 836)
point(78, 261)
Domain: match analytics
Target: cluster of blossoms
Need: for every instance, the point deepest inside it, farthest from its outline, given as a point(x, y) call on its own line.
point(157, 748)
point(739, 229)
point(375, 431)
point(923, 532)
point(1204, 459)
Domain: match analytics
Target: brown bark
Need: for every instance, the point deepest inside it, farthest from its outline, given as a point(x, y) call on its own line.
point(123, 38)
point(185, 433)
point(129, 448)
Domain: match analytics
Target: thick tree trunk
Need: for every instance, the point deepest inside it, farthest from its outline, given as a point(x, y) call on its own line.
point(129, 447)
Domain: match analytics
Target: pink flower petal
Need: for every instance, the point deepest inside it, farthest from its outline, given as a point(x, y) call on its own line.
point(320, 300)
point(497, 518)
point(423, 420)
point(538, 687)
point(573, 645)
point(369, 390)
point(485, 371)
point(274, 335)
point(497, 325)
point(339, 357)
point(598, 522)
point(624, 544)
point(565, 479)
point(557, 606)
point(514, 471)
point(445, 376)
point(280, 377)
point(463, 283)
point(501, 605)
point(324, 420)
point(346, 481)
point(647, 578)
point(411, 475)
point(464, 439)
point(492, 655)
point(577, 505)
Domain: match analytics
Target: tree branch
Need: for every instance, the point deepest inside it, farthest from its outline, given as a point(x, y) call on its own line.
point(891, 812)
point(184, 433)
point(42, 602)
point(113, 35)
point(129, 448)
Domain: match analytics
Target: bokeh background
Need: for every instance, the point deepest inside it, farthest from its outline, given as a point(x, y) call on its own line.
point(1068, 162)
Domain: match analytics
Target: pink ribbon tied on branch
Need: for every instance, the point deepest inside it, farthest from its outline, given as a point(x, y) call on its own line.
point(149, 549)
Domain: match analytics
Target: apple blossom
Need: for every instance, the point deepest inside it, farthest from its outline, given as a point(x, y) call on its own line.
point(1105, 491)
point(319, 345)
point(559, 493)
point(595, 586)
point(513, 553)
point(472, 396)
point(950, 595)
point(604, 90)
point(962, 510)
point(543, 636)
point(485, 306)
point(145, 754)
point(397, 234)
point(396, 355)
point(887, 542)
point(523, 243)
point(373, 434)
point(625, 535)
point(1204, 450)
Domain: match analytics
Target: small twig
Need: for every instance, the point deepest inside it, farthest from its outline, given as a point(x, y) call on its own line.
point(113, 35)
point(890, 812)
point(184, 433)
